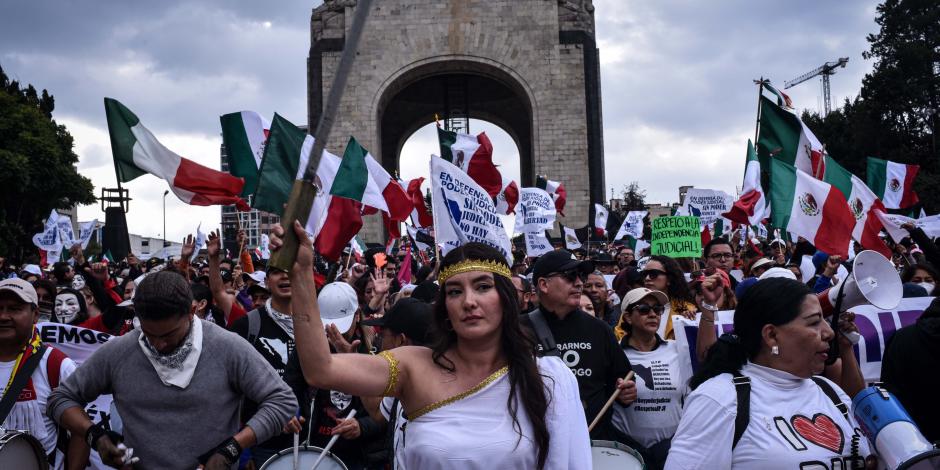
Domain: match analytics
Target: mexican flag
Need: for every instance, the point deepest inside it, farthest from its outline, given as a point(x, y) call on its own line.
point(508, 197)
point(893, 182)
point(136, 152)
point(363, 179)
point(863, 203)
point(473, 155)
point(244, 135)
point(751, 207)
point(783, 99)
point(783, 136)
point(556, 190)
point(420, 215)
point(600, 220)
point(333, 221)
point(817, 211)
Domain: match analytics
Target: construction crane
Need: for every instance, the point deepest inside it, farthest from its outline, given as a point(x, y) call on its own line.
point(827, 69)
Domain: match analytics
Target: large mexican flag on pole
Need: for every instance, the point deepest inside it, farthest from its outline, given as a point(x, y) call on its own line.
point(473, 155)
point(783, 136)
point(136, 152)
point(810, 208)
point(863, 203)
point(893, 182)
point(244, 134)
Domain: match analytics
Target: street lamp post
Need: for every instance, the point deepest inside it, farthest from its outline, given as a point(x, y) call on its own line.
point(164, 219)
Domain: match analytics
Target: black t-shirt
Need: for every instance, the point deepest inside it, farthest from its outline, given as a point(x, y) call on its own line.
point(275, 346)
point(589, 348)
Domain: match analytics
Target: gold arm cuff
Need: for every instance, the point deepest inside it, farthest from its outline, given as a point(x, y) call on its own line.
point(392, 373)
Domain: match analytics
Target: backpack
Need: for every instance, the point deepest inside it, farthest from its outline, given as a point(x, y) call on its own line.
point(543, 334)
point(742, 385)
point(254, 324)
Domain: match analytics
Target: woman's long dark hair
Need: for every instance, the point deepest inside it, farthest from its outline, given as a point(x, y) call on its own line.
point(774, 301)
point(525, 382)
point(678, 288)
point(911, 270)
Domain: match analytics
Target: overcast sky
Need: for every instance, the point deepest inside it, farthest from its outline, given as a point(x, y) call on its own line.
point(676, 82)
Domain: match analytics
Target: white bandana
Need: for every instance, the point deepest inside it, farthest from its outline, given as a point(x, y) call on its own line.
point(176, 368)
point(283, 320)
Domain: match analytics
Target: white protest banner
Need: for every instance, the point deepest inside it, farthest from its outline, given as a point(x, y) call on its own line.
point(463, 211)
point(571, 238)
point(265, 249)
point(536, 244)
point(85, 232)
point(66, 234)
point(632, 225)
point(892, 222)
point(875, 325)
point(706, 204)
point(201, 242)
point(535, 211)
point(78, 344)
point(48, 239)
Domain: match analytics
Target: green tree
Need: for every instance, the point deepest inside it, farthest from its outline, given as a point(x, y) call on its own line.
point(634, 198)
point(38, 162)
point(897, 114)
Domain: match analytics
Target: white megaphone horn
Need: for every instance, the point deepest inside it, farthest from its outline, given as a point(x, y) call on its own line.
point(873, 281)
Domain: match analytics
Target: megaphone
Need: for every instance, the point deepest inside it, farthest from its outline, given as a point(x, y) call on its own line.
point(892, 432)
point(873, 281)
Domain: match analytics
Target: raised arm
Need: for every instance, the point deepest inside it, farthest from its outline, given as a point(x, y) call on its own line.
point(222, 299)
point(357, 374)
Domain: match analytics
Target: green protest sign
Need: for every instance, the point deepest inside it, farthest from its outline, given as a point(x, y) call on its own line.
point(676, 237)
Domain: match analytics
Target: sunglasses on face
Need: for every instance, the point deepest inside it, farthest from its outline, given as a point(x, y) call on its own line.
point(645, 309)
point(570, 275)
point(652, 273)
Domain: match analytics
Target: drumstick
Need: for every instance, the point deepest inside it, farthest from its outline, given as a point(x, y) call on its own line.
point(297, 445)
point(329, 445)
point(610, 401)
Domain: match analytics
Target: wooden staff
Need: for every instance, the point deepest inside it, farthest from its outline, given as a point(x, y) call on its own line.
point(610, 401)
point(304, 191)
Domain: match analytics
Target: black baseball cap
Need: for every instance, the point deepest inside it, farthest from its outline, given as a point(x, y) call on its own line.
point(603, 258)
point(409, 316)
point(559, 261)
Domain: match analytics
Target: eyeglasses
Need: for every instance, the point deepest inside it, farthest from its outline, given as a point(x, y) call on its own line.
point(645, 309)
point(571, 275)
point(721, 255)
point(652, 273)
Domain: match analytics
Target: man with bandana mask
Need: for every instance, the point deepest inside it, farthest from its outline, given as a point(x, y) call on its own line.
point(19, 342)
point(177, 382)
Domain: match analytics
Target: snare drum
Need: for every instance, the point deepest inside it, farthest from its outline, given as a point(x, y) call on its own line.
point(284, 460)
point(610, 455)
point(21, 451)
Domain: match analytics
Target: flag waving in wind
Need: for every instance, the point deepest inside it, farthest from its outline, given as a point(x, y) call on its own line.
point(473, 155)
point(137, 152)
point(751, 207)
point(893, 182)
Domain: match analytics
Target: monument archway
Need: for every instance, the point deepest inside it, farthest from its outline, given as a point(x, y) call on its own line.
point(529, 66)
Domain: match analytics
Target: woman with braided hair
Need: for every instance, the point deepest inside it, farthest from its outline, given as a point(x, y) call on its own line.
point(478, 397)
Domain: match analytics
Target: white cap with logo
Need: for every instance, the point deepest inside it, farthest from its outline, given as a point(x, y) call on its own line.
point(22, 289)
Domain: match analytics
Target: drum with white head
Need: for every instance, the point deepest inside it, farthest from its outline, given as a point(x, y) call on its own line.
point(21, 451)
point(284, 460)
point(610, 455)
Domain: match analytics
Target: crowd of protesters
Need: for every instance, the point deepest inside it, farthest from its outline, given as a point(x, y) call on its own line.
point(218, 361)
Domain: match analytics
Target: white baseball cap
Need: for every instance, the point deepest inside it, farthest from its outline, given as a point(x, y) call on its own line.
point(777, 272)
point(338, 305)
point(22, 289)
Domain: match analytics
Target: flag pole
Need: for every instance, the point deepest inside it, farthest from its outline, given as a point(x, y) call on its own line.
point(304, 191)
point(760, 93)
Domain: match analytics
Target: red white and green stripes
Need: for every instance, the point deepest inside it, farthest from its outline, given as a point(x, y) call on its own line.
point(556, 190)
point(362, 178)
point(783, 136)
point(244, 135)
point(751, 207)
point(862, 203)
point(473, 155)
point(810, 208)
point(893, 182)
point(136, 152)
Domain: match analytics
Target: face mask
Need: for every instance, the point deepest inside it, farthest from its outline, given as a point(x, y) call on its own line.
point(66, 307)
point(928, 286)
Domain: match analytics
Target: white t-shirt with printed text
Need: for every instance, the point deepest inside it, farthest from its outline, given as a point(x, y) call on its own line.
point(662, 378)
point(30, 415)
point(793, 426)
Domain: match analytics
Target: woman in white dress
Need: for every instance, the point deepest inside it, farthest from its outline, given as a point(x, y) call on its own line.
point(478, 398)
point(758, 401)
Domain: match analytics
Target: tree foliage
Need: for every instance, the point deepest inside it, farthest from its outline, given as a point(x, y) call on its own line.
point(38, 162)
point(895, 117)
point(634, 198)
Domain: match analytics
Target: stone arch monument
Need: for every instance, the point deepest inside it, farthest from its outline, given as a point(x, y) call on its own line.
point(528, 66)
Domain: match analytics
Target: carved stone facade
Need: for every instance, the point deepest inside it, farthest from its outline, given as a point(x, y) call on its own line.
point(529, 66)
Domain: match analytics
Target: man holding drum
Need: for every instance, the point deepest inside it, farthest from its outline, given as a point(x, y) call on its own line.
point(177, 383)
point(29, 371)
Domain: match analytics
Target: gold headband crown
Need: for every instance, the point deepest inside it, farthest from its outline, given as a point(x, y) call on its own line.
point(468, 265)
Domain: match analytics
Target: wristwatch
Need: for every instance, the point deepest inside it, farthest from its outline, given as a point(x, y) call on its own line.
point(95, 432)
point(230, 450)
